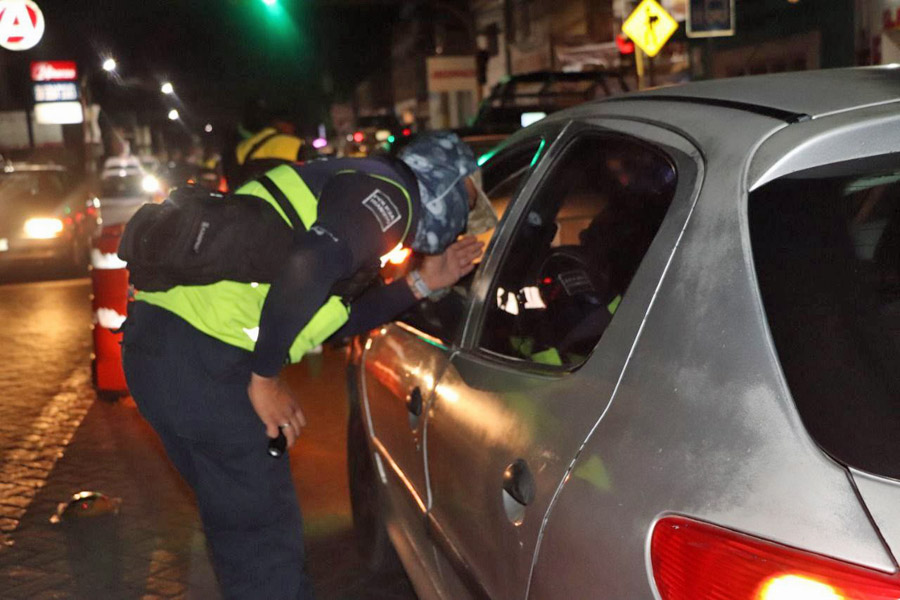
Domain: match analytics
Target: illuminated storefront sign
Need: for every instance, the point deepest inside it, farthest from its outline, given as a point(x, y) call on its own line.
point(54, 70)
point(60, 91)
point(57, 95)
point(58, 113)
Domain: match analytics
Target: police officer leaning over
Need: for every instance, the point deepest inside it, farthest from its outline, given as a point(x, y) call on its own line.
point(203, 361)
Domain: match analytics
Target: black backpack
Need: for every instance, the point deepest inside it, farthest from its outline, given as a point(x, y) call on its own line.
point(197, 237)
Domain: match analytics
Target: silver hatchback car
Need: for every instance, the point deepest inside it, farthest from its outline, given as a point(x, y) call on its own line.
point(676, 372)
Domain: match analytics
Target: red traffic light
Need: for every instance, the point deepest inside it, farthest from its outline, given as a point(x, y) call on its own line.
point(358, 137)
point(406, 132)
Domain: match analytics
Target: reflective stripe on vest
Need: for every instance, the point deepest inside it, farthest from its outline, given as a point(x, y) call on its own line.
point(229, 311)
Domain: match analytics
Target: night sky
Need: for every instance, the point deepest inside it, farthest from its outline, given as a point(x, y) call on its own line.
point(218, 53)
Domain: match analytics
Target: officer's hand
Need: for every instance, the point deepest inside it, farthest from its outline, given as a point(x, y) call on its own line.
point(443, 270)
point(276, 405)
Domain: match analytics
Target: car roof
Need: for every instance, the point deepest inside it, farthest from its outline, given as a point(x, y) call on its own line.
point(117, 173)
point(121, 161)
point(802, 94)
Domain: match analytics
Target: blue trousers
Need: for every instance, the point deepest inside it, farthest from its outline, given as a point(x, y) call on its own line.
point(192, 389)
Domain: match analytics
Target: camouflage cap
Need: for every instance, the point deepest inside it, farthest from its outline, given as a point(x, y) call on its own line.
point(441, 161)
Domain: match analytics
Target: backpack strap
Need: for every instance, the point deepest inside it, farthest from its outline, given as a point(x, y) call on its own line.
point(289, 211)
point(249, 156)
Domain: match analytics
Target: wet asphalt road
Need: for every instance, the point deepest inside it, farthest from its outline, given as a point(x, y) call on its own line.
point(55, 436)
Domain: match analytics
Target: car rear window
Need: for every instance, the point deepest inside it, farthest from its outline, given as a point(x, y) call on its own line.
point(37, 188)
point(122, 187)
point(826, 246)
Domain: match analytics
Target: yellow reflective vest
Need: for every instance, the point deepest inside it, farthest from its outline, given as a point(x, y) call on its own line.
point(228, 310)
point(268, 144)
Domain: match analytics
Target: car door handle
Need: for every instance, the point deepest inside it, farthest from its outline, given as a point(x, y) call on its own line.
point(414, 402)
point(518, 482)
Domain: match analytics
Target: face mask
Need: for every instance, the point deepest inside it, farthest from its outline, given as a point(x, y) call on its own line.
point(482, 217)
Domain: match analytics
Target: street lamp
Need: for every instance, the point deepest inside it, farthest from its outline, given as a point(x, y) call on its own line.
point(173, 115)
point(167, 88)
point(109, 65)
point(208, 128)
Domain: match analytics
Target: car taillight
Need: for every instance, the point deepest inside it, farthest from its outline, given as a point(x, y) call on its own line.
point(693, 561)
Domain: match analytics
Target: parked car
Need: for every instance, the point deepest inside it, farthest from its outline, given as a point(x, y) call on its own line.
point(523, 99)
point(673, 375)
point(127, 183)
point(45, 218)
point(122, 195)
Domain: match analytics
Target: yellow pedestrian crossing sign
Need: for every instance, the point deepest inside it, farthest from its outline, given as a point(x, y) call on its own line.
point(650, 27)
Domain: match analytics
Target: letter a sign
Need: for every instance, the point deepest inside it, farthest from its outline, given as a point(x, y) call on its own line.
point(21, 24)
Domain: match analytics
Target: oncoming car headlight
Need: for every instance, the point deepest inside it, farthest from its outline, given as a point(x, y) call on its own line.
point(150, 184)
point(43, 229)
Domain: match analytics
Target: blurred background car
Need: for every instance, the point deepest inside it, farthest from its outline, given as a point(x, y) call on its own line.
point(122, 192)
point(45, 218)
point(374, 131)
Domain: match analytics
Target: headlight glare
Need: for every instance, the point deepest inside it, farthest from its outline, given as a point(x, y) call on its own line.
point(150, 184)
point(43, 229)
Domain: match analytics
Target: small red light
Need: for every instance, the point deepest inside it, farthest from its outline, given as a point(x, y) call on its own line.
point(84, 506)
point(407, 132)
point(696, 560)
point(548, 280)
point(358, 137)
point(625, 45)
point(68, 221)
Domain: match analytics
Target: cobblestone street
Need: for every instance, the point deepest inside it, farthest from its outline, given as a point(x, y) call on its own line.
point(56, 439)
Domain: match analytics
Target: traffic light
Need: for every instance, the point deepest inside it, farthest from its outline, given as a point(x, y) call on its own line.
point(270, 2)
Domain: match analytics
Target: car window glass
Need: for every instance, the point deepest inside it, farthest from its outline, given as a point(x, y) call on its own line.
point(121, 187)
point(502, 177)
point(38, 188)
point(574, 253)
point(826, 247)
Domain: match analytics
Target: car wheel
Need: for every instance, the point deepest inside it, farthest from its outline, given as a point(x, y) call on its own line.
point(372, 538)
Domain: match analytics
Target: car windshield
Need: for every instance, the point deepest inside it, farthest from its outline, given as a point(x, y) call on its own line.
point(121, 187)
point(827, 253)
point(40, 189)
